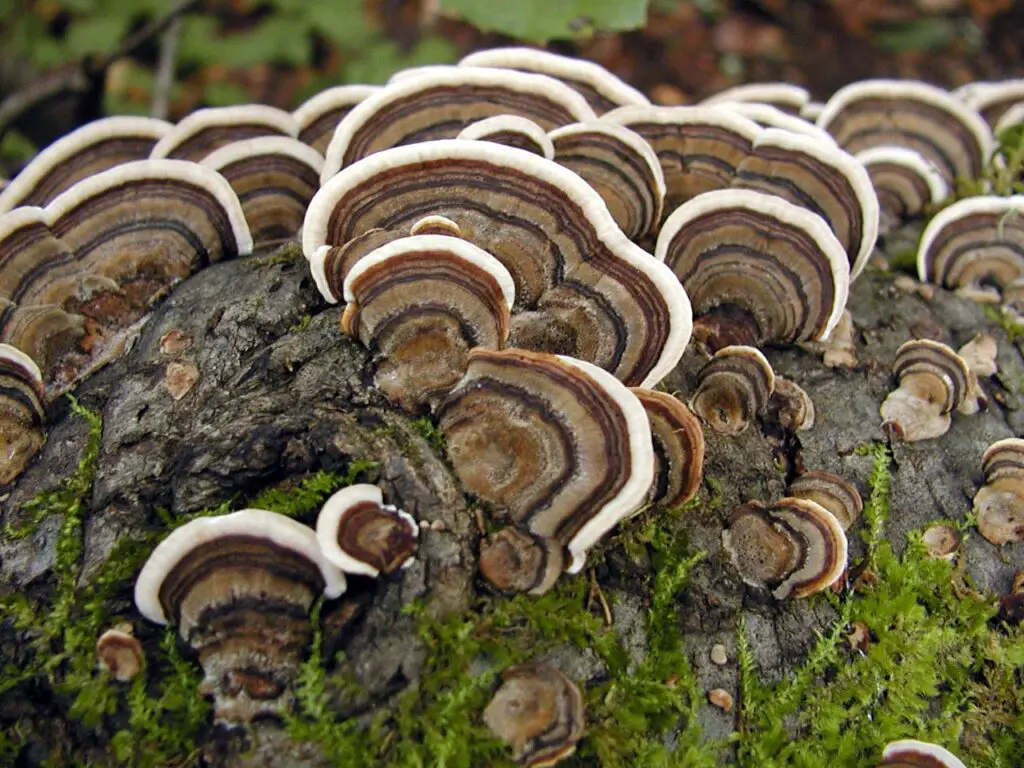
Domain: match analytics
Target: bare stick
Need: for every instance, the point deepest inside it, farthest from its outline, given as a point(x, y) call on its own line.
point(165, 69)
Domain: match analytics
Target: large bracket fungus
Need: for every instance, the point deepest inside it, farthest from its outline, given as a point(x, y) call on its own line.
point(904, 181)
point(22, 412)
point(733, 389)
point(933, 382)
point(911, 753)
point(319, 115)
point(206, 130)
point(239, 589)
point(999, 503)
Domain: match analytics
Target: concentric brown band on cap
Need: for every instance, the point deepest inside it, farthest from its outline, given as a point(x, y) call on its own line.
point(22, 412)
point(785, 96)
point(830, 491)
point(733, 389)
point(42, 331)
point(1004, 458)
point(904, 181)
point(35, 267)
point(511, 131)
point(318, 116)
point(923, 357)
point(678, 447)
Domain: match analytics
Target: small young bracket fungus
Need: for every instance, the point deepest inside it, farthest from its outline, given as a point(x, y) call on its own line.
point(733, 389)
point(602, 90)
point(757, 269)
point(915, 115)
point(793, 547)
point(362, 535)
point(46, 333)
point(239, 588)
point(274, 177)
point(678, 441)
point(559, 443)
point(904, 181)
point(93, 148)
point(941, 541)
point(511, 131)
point(910, 753)
point(783, 96)
point(790, 406)
point(933, 382)
point(440, 101)
point(513, 560)
point(205, 130)
point(621, 166)
point(832, 492)
point(120, 653)
point(999, 503)
point(22, 412)
point(992, 99)
point(421, 303)
point(980, 355)
point(319, 115)
point(539, 712)
point(973, 244)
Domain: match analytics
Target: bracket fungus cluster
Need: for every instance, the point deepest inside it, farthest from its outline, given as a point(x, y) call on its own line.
point(999, 503)
point(934, 381)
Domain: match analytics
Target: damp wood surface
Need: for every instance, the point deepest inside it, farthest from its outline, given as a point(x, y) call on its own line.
point(278, 410)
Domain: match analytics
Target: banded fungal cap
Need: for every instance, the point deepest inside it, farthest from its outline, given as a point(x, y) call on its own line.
point(733, 389)
point(768, 116)
point(421, 303)
point(36, 267)
point(790, 406)
point(915, 115)
point(793, 547)
point(933, 381)
point(974, 243)
point(319, 115)
point(980, 355)
point(992, 99)
point(511, 131)
point(1011, 118)
point(330, 264)
point(999, 503)
point(678, 442)
point(120, 653)
point(274, 178)
point(239, 588)
point(602, 90)
point(201, 132)
point(1004, 459)
point(538, 711)
point(941, 541)
point(544, 223)
point(440, 102)
point(93, 148)
point(621, 166)
point(22, 412)
point(560, 444)
point(834, 493)
point(699, 148)
point(45, 332)
point(822, 178)
point(360, 534)
point(758, 269)
point(910, 753)
point(904, 181)
point(783, 96)
point(513, 560)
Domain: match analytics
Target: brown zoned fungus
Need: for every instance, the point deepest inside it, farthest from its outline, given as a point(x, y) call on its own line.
point(362, 535)
point(793, 547)
point(904, 181)
point(992, 99)
point(318, 116)
point(941, 541)
point(910, 753)
point(733, 389)
point(239, 588)
point(1000, 501)
point(511, 131)
point(767, 116)
point(784, 96)
point(678, 442)
point(757, 269)
point(205, 130)
point(559, 444)
point(933, 382)
point(832, 492)
point(44, 332)
point(538, 711)
point(1011, 118)
point(120, 653)
point(95, 147)
point(22, 412)
point(790, 406)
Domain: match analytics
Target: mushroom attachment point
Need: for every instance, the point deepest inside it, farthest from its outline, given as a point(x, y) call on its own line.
point(793, 547)
point(239, 589)
point(205, 130)
point(733, 389)
point(910, 753)
point(999, 503)
point(538, 711)
point(22, 412)
point(362, 535)
point(678, 441)
point(834, 493)
point(933, 381)
point(511, 131)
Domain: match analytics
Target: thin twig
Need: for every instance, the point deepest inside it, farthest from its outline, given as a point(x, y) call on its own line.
point(165, 69)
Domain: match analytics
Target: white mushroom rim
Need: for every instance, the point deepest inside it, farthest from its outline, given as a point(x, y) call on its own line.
point(246, 149)
point(911, 160)
point(942, 755)
point(481, 130)
point(641, 470)
point(772, 117)
point(279, 530)
point(318, 105)
point(996, 206)
point(75, 142)
point(1011, 118)
point(721, 116)
point(428, 244)
point(213, 117)
point(23, 361)
point(762, 93)
point(577, 191)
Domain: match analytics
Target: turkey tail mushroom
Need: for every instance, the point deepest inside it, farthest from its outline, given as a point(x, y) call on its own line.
point(511, 131)
point(784, 96)
point(206, 130)
point(733, 389)
point(910, 753)
point(319, 115)
point(999, 503)
point(904, 182)
point(22, 412)
point(678, 441)
point(933, 381)
point(834, 493)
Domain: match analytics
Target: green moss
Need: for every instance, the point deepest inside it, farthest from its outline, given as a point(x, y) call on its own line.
point(431, 433)
point(286, 254)
point(302, 325)
point(876, 509)
point(1008, 321)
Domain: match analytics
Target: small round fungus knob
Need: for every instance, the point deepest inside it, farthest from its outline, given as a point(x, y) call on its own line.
point(999, 503)
point(832, 492)
point(733, 389)
point(933, 381)
point(120, 653)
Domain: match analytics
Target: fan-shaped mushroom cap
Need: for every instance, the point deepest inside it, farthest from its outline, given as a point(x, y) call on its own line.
point(834, 493)
point(910, 753)
point(319, 115)
point(361, 534)
point(974, 242)
point(904, 181)
point(1011, 118)
point(934, 380)
point(274, 177)
point(1000, 501)
point(699, 148)
point(602, 90)
point(733, 389)
point(438, 103)
point(793, 547)
point(559, 443)
point(768, 116)
point(513, 560)
point(783, 96)
point(93, 148)
point(915, 115)
point(790, 406)
point(822, 178)
point(678, 442)
point(44, 332)
point(239, 588)
point(539, 712)
point(991, 99)
point(421, 304)
point(621, 166)
point(120, 652)
point(205, 130)
point(1004, 459)
point(22, 411)
point(544, 223)
point(511, 131)
point(761, 269)
point(941, 541)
